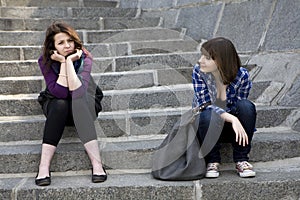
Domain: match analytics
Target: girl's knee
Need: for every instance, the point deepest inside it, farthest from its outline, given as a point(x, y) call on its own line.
point(58, 107)
point(245, 105)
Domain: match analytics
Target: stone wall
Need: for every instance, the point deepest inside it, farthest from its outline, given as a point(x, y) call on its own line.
point(253, 25)
point(266, 32)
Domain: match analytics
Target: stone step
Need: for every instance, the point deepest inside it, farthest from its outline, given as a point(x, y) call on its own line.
point(32, 38)
point(114, 100)
point(281, 183)
point(23, 157)
point(123, 123)
point(132, 99)
point(174, 61)
point(100, 50)
point(112, 64)
point(59, 3)
point(171, 96)
point(15, 72)
point(114, 81)
point(106, 81)
point(165, 71)
point(95, 23)
point(65, 12)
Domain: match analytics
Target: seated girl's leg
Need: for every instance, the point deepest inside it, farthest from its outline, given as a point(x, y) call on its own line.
point(85, 127)
point(57, 115)
point(83, 120)
point(246, 113)
point(211, 150)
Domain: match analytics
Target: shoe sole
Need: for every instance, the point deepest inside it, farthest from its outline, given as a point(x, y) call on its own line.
point(44, 183)
point(212, 175)
point(247, 175)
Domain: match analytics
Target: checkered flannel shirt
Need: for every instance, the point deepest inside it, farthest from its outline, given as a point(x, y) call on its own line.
point(205, 89)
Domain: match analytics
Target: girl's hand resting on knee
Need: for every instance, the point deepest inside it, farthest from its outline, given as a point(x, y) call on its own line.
point(240, 134)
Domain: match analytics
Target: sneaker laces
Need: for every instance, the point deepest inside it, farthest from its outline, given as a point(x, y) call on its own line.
point(212, 166)
point(244, 165)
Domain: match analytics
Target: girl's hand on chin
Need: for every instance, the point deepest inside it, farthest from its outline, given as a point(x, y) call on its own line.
point(75, 56)
point(57, 57)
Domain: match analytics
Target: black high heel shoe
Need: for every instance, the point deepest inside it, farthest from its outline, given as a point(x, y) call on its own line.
point(99, 178)
point(43, 181)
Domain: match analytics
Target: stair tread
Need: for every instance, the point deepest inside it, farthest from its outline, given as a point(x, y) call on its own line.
point(59, 3)
point(149, 142)
point(141, 185)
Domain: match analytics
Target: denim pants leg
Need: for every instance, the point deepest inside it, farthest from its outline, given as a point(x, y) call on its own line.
point(204, 124)
point(245, 111)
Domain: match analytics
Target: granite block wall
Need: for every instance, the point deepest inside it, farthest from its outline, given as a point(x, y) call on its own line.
point(253, 25)
point(266, 32)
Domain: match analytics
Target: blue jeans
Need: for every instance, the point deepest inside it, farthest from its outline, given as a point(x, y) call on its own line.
point(245, 111)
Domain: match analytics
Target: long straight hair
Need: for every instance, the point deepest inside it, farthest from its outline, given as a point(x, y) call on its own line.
point(223, 52)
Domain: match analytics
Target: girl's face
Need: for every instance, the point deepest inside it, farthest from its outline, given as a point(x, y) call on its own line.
point(207, 64)
point(64, 44)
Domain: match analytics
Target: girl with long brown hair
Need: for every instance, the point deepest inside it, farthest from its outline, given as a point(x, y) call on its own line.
point(66, 67)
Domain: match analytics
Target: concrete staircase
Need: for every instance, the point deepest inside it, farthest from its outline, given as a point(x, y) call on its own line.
point(145, 72)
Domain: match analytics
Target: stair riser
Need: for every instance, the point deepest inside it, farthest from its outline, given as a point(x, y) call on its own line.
point(103, 50)
point(95, 23)
point(133, 35)
point(19, 69)
point(116, 188)
point(20, 86)
point(257, 189)
point(121, 125)
point(115, 102)
point(266, 150)
point(133, 63)
point(122, 187)
point(28, 38)
point(59, 3)
point(65, 12)
point(130, 156)
point(119, 81)
point(106, 82)
point(173, 61)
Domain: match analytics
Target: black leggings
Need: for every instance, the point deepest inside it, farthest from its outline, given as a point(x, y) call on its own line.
point(61, 113)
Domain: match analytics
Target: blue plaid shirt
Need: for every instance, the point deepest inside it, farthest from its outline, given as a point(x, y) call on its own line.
point(205, 89)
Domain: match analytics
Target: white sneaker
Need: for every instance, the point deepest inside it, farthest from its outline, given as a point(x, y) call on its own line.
point(245, 169)
point(212, 170)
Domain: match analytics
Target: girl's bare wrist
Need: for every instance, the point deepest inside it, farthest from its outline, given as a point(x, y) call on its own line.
point(69, 59)
point(63, 75)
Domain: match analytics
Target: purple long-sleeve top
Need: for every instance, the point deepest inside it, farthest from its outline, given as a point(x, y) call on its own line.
point(83, 71)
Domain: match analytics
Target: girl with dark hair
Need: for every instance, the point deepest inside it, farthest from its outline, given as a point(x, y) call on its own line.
point(66, 67)
point(222, 85)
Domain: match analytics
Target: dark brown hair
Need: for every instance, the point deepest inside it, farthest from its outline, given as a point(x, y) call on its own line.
point(223, 52)
point(55, 28)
